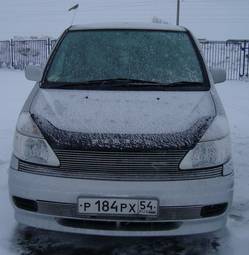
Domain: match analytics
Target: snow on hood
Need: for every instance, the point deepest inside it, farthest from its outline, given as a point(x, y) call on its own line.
point(122, 112)
point(122, 119)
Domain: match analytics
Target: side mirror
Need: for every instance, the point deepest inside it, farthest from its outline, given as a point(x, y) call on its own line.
point(219, 75)
point(33, 73)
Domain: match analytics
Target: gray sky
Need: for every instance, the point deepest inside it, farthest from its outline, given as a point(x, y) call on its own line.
point(211, 19)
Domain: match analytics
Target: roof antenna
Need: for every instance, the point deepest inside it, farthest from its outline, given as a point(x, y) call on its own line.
point(74, 9)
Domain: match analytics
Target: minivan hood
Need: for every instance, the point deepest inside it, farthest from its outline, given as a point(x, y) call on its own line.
point(125, 113)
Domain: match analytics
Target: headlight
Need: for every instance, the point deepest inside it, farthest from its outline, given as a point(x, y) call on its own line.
point(207, 154)
point(214, 149)
point(26, 126)
point(30, 145)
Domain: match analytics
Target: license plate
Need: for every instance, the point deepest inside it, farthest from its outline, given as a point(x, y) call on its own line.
point(112, 206)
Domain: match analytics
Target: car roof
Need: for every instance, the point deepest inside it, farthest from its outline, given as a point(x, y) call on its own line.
point(127, 25)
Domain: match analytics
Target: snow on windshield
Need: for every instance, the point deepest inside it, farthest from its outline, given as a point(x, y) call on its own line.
point(160, 56)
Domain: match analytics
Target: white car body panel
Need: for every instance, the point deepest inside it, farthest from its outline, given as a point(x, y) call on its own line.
point(122, 112)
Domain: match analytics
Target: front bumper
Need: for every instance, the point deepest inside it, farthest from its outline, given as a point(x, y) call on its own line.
point(175, 195)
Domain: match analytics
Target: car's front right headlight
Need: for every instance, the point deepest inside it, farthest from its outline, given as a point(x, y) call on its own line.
point(30, 145)
point(208, 154)
point(214, 148)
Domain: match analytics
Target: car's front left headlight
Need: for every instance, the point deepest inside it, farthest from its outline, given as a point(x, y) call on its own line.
point(30, 145)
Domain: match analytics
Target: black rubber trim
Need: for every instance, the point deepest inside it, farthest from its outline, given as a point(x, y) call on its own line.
point(213, 210)
point(119, 226)
point(25, 204)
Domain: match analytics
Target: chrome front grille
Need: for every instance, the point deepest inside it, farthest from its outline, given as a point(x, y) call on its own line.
point(132, 166)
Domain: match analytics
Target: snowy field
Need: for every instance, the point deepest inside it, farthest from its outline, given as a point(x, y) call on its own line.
point(233, 240)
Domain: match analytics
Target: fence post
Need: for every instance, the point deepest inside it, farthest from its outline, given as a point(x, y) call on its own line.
point(247, 58)
point(243, 51)
point(12, 44)
point(48, 46)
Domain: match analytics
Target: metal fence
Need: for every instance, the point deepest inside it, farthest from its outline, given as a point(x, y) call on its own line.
point(18, 54)
point(232, 55)
point(5, 53)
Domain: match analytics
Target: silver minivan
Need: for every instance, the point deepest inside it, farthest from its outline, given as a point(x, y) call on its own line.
point(123, 134)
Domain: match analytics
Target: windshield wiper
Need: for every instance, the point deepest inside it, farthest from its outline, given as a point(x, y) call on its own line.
point(120, 82)
point(149, 84)
point(184, 83)
point(116, 81)
point(61, 84)
point(129, 81)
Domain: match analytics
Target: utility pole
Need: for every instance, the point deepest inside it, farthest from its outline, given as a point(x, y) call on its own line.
point(178, 12)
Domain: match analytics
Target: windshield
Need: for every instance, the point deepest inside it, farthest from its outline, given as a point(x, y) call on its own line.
point(155, 56)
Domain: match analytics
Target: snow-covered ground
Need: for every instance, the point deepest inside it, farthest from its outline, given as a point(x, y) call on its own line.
point(210, 19)
point(20, 240)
